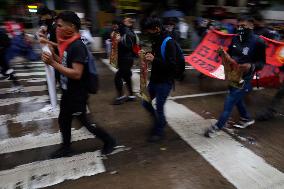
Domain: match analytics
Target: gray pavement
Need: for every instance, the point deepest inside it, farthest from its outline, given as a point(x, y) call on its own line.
point(184, 160)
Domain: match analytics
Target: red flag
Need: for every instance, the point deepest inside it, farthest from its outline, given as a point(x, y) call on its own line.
point(206, 59)
point(274, 52)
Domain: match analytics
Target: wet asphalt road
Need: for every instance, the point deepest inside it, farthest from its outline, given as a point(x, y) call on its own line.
point(170, 164)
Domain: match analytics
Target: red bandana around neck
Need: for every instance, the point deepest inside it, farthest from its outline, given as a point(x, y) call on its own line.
point(64, 39)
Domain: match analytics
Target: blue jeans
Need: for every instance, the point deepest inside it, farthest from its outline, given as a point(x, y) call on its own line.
point(235, 97)
point(161, 92)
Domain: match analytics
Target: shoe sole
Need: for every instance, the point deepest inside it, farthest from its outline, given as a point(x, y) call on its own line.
point(244, 126)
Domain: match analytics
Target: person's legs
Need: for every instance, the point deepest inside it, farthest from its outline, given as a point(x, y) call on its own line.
point(64, 121)
point(127, 78)
point(243, 110)
point(162, 92)
point(232, 98)
point(109, 141)
point(148, 105)
point(118, 83)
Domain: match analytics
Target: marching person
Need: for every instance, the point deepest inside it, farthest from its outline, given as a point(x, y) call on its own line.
point(125, 61)
point(248, 50)
point(162, 74)
point(73, 79)
point(6, 70)
point(47, 36)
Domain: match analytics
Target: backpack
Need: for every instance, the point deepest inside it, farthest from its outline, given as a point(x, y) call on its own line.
point(180, 61)
point(93, 80)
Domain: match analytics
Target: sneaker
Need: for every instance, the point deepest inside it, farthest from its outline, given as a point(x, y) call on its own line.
point(109, 147)
point(212, 132)
point(9, 71)
point(47, 108)
point(244, 123)
point(119, 100)
point(131, 98)
point(61, 152)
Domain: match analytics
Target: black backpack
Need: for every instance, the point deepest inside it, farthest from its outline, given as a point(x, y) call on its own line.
point(180, 61)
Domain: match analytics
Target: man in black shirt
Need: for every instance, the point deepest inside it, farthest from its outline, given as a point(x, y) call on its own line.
point(73, 69)
point(162, 74)
point(248, 50)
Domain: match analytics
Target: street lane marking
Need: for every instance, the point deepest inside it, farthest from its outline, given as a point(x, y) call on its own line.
point(30, 80)
point(239, 165)
point(28, 116)
point(31, 141)
point(28, 66)
point(30, 74)
point(32, 99)
point(197, 95)
point(30, 70)
point(51, 172)
point(206, 94)
point(23, 89)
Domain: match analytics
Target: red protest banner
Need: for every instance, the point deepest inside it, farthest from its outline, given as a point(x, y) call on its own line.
point(274, 52)
point(206, 59)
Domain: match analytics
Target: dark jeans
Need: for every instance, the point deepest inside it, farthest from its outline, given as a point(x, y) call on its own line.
point(235, 97)
point(120, 76)
point(161, 92)
point(67, 112)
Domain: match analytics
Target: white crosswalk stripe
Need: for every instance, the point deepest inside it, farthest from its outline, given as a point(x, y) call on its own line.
point(28, 116)
point(48, 172)
point(45, 139)
point(23, 89)
point(32, 99)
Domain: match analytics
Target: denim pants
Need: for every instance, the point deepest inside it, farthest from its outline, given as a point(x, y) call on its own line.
point(160, 91)
point(235, 97)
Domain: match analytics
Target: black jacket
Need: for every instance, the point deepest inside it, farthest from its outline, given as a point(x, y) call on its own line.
point(125, 48)
point(163, 71)
point(250, 51)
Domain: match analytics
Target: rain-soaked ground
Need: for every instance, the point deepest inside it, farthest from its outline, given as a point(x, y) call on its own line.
point(28, 136)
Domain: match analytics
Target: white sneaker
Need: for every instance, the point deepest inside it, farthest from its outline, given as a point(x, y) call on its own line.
point(212, 132)
point(244, 123)
point(48, 108)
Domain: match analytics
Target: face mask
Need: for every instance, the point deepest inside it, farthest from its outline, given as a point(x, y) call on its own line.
point(243, 33)
point(47, 23)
